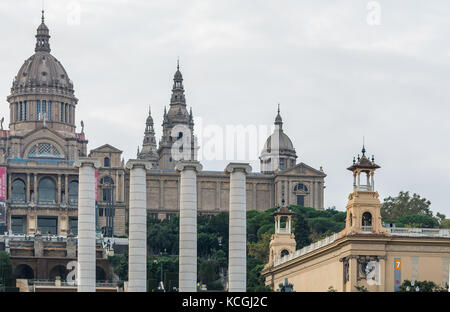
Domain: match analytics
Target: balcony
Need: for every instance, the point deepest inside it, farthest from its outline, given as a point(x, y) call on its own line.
point(366, 229)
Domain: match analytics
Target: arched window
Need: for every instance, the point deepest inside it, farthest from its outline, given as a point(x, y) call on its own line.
point(366, 222)
point(18, 191)
point(44, 150)
point(46, 191)
point(107, 184)
point(284, 252)
point(106, 162)
point(73, 192)
point(300, 188)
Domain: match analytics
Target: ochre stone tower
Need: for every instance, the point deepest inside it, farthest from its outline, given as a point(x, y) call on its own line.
point(283, 241)
point(363, 207)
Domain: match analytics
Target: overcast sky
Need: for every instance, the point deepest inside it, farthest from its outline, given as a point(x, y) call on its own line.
point(339, 70)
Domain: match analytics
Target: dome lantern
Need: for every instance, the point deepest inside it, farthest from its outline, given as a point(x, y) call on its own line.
point(42, 37)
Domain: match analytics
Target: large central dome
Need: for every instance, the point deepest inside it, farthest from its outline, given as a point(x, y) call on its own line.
point(42, 94)
point(42, 69)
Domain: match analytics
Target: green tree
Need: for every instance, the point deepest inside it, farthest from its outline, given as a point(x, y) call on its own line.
point(445, 224)
point(394, 208)
point(260, 249)
point(207, 272)
point(5, 269)
point(417, 221)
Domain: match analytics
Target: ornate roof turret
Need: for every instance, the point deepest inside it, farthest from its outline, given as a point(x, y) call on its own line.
point(278, 119)
point(363, 164)
point(149, 148)
point(42, 37)
point(278, 151)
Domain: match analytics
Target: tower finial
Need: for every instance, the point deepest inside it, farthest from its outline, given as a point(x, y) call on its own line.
point(278, 108)
point(43, 18)
point(178, 63)
point(364, 148)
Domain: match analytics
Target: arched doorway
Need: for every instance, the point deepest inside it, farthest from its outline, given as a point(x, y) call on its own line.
point(23, 271)
point(58, 270)
point(100, 274)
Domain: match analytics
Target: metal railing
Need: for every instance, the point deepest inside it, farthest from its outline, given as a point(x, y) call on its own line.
point(305, 250)
point(366, 229)
point(417, 232)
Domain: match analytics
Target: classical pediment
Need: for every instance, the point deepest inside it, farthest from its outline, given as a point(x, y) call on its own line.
point(106, 149)
point(302, 169)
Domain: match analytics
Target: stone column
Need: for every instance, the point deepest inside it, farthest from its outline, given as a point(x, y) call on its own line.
point(86, 223)
point(35, 188)
point(161, 194)
point(28, 187)
point(137, 239)
point(10, 185)
point(237, 250)
point(188, 225)
point(58, 196)
point(66, 188)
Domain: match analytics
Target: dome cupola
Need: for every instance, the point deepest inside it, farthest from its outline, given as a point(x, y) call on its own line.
point(42, 93)
point(278, 152)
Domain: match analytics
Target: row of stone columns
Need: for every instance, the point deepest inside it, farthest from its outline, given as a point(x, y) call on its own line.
point(137, 272)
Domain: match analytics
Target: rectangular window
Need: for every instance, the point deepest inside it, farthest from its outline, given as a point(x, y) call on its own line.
point(20, 111)
point(73, 224)
point(44, 109)
point(48, 225)
point(16, 117)
point(18, 225)
point(62, 112)
point(38, 110)
point(100, 212)
point(25, 110)
point(106, 194)
point(70, 114)
point(49, 110)
point(300, 200)
point(65, 113)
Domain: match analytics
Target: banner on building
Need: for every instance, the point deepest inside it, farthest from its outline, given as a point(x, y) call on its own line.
point(397, 274)
point(2, 196)
point(96, 200)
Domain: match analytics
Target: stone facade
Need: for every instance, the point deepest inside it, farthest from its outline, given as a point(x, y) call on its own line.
point(41, 145)
point(364, 254)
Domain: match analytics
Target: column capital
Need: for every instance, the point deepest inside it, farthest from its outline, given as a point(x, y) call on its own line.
point(87, 161)
point(138, 163)
point(183, 165)
point(232, 167)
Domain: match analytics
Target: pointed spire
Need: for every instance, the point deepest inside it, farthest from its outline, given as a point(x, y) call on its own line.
point(42, 37)
point(278, 119)
point(363, 148)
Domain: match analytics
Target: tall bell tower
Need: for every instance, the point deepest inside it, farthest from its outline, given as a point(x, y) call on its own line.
point(178, 141)
point(363, 207)
point(282, 242)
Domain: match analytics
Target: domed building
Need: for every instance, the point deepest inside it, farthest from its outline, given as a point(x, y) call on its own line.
point(38, 150)
point(279, 152)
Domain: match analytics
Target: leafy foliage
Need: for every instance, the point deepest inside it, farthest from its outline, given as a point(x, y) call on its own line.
point(421, 286)
point(394, 208)
point(5, 269)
